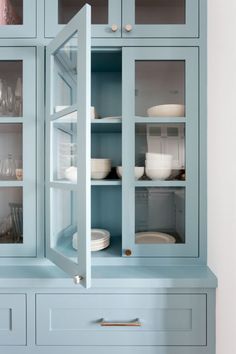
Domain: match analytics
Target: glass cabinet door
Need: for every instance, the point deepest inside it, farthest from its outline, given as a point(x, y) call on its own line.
point(160, 134)
point(160, 18)
point(17, 18)
point(68, 148)
point(17, 152)
point(106, 16)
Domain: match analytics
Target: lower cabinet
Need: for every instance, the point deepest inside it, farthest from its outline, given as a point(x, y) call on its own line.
point(121, 320)
point(12, 319)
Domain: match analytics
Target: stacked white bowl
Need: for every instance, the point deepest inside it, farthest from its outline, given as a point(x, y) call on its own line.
point(158, 166)
point(100, 168)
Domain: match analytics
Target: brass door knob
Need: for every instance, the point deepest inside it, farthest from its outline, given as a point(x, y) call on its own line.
point(128, 253)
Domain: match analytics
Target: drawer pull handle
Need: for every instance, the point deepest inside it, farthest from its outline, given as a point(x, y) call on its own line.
point(128, 28)
point(134, 323)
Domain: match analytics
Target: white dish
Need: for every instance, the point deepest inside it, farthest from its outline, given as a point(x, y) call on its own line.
point(151, 237)
point(100, 174)
point(96, 163)
point(100, 239)
point(151, 156)
point(71, 174)
point(158, 174)
point(167, 110)
point(138, 172)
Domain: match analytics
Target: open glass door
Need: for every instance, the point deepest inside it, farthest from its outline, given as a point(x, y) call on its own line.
point(68, 219)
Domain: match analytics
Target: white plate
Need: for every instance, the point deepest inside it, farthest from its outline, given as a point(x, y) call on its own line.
point(152, 237)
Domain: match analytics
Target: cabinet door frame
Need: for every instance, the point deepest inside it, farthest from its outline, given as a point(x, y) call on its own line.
point(191, 246)
point(52, 27)
point(80, 25)
point(190, 29)
point(28, 120)
point(28, 28)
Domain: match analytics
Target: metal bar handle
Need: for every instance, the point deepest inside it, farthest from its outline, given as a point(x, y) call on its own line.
point(134, 323)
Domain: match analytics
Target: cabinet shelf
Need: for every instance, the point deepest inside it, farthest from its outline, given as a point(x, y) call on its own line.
point(114, 250)
point(11, 183)
point(73, 186)
point(106, 182)
point(160, 184)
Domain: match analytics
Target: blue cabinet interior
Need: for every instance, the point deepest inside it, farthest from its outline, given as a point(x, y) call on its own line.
point(168, 289)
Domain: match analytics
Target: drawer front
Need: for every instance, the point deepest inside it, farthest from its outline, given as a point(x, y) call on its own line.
point(12, 319)
point(128, 319)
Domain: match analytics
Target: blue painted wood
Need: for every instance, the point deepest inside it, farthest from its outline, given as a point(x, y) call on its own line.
point(165, 319)
point(52, 27)
point(28, 28)
point(190, 247)
point(190, 29)
point(79, 25)
point(28, 121)
point(12, 319)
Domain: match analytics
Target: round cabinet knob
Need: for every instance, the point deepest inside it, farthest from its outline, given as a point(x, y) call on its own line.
point(114, 28)
point(128, 253)
point(128, 28)
point(77, 279)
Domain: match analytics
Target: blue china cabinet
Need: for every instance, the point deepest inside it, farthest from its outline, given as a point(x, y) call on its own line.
point(120, 83)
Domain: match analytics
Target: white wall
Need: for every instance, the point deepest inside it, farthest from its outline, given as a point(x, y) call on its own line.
point(222, 165)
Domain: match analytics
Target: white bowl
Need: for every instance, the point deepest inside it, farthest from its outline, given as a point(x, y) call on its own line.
point(167, 110)
point(158, 174)
point(71, 174)
point(158, 157)
point(138, 172)
point(152, 164)
point(99, 174)
point(96, 163)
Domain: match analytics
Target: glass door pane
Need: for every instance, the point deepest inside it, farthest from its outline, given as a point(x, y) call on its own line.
point(163, 12)
point(160, 88)
point(68, 8)
point(11, 12)
point(11, 88)
point(68, 135)
point(17, 160)
point(160, 18)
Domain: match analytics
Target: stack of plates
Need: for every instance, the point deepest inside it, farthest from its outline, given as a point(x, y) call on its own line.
point(100, 239)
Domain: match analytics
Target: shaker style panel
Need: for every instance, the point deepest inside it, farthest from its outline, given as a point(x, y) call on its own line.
point(121, 320)
point(160, 18)
point(12, 319)
point(106, 16)
point(17, 18)
point(17, 151)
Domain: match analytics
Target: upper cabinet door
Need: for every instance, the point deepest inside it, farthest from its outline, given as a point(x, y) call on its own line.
point(68, 148)
point(160, 133)
point(160, 18)
point(17, 18)
point(106, 16)
point(17, 152)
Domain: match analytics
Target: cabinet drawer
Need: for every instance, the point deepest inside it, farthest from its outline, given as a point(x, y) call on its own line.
point(73, 319)
point(12, 319)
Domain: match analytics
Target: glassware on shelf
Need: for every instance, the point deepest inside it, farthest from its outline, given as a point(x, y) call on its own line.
point(8, 168)
point(18, 97)
point(6, 229)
